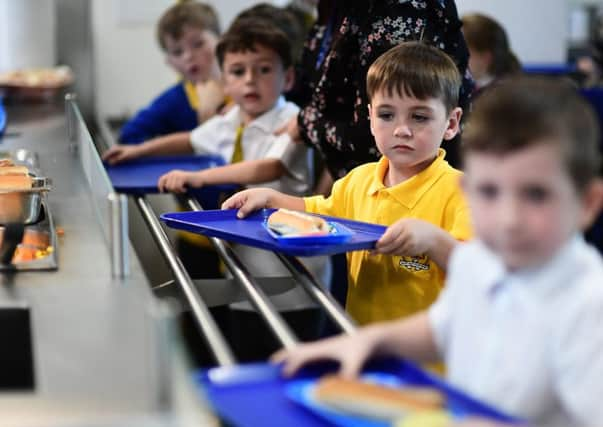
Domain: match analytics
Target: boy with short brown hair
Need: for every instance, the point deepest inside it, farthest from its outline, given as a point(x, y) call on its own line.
point(413, 90)
point(187, 34)
point(518, 324)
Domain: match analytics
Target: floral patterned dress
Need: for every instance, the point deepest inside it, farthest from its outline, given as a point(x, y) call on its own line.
point(347, 37)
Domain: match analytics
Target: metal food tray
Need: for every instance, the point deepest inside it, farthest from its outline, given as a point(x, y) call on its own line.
point(235, 391)
point(250, 231)
point(49, 262)
point(140, 176)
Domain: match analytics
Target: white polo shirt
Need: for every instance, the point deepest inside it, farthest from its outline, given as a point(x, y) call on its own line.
point(217, 136)
point(529, 342)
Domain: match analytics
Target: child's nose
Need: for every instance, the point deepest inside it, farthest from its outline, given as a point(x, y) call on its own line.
point(510, 214)
point(402, 130)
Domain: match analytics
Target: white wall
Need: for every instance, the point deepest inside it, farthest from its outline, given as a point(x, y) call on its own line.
point(27, 34)
point(538, 29)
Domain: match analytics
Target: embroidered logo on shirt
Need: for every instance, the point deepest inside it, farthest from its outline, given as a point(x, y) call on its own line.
point(415, 263)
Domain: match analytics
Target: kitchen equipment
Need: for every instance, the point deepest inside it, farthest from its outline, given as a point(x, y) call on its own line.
point(23, 205)
point(36, 250)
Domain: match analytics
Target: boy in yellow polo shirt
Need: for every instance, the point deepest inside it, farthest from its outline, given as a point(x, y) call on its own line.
point(413, 90)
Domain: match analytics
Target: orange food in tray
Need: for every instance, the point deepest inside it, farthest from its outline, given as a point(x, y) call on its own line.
point(371, 400)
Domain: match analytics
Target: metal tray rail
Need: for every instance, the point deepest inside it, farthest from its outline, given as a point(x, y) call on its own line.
point(204, 319)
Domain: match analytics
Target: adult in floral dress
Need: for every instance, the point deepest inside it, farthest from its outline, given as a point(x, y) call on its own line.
point(346, 38)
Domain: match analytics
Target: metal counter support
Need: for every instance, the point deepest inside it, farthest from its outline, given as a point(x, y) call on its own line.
point(118, 225)
point(313, 288)
point(204, 319)
point(256, 296)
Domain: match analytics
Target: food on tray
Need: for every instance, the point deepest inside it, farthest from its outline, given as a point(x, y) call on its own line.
point(13, 170)
point(371, 400)
point(293, 223)
point(426, 419)
point(14, 177)
point(15, 182)
point(37, 77)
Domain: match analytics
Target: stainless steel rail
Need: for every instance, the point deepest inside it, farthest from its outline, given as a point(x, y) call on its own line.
point(322, 297)
point(205, 321)
point(256, 296)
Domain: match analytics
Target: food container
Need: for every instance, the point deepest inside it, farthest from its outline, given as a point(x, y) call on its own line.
point(23, 206)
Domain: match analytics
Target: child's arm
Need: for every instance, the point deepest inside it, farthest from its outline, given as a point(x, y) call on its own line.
point(411, 338)
point(175, 143)
point(247, 201)
point(244, 173)
point(412, 237)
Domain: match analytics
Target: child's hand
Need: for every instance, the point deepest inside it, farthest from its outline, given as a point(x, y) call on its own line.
point(247, 201)
point(351, 351)
point(212, 96)
point(177, 181)
point(121, 153)
point(407, 236)
point(292, 129)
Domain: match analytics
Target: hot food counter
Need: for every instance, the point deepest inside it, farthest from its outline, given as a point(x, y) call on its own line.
point(83, 340)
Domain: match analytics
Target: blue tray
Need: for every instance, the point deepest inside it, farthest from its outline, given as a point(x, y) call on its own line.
point(2, 117)
point(256, 394)
point(140, 176)
point(250, 231)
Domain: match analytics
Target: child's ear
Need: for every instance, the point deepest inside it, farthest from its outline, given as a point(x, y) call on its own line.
point(289, 79)
point(370, 120)
point(592, 202)
point(454, 123)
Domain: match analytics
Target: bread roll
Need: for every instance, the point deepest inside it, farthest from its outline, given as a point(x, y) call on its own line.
point(13, 170)
point(293, 223)
point(15, 182)
point(375, 401)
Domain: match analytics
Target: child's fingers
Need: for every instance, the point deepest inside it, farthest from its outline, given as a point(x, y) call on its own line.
point(351, 366)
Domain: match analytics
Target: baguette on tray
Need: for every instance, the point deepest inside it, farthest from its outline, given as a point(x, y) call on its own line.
point(293, 223)
point(370, 400)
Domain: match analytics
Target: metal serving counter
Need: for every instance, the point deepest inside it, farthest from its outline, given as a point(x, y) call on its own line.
point(101, 344)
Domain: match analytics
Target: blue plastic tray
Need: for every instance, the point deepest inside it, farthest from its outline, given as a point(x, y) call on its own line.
point(250, 231)
point(140, 176)
point(256, 394)
point(2, 117)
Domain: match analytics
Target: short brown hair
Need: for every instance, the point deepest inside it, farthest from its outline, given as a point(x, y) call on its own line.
point(526, 111)
point(416, 69)
point(484, 34)
point(282, 18)
point(246, 33)
point(186, 13)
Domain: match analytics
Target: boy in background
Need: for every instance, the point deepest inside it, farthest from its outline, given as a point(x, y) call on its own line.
point(255, 57)
point(413, 90)
point(518, 324)
point(187, 33)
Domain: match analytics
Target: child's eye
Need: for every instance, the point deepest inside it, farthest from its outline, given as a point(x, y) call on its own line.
point(199, 44)
point(488, 191)
point(176, 52)
point(536, 194)
point(237, 71)
point(420, 118)
point(386, 116)
point(265, 69)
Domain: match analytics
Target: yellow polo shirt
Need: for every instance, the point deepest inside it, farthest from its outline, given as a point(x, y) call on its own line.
point(385, 287)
